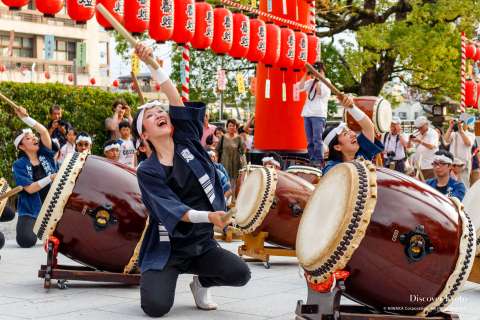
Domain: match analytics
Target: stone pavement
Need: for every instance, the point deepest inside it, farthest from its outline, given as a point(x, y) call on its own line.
point(271, 294)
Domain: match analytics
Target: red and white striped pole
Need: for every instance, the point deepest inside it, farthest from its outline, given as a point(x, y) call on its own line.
point(186, 72)
point(463, 72)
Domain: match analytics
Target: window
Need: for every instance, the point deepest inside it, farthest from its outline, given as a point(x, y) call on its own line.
point(402, 115)
point(65, 50)
point(22, 46)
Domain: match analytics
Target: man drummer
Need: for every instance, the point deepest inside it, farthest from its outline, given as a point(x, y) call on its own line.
point(344, 144)
point(443, 181)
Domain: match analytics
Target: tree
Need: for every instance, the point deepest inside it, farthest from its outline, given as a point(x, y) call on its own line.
point(415, 41)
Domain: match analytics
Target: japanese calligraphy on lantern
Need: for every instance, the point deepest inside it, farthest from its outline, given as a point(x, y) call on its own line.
point(190, 18)
point(228, 24)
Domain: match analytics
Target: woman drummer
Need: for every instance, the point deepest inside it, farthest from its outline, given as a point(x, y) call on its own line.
point(344, 144)
point(34, 170)
point(182, 191)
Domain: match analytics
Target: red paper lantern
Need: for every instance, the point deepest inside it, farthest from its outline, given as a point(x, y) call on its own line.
point(115, 83)
point(241, 36)
point(222, 30)
point(471, 51)
point(470, 93)
point(258, 42)
point(272, 54)
point(92, 81)
point(80, 10)
point(70, 77)
point(184, 26)
point(314, 49)
point(478, 96)
point(203, 37)
point(47, 75)
point(157, 87)
point(15, 4)
point(287, 48)
point(301, 50)
point(135, 15)
point(114, 7)
point(477, 53)
point(3, 68)
point(49, 7)
point(161, 20)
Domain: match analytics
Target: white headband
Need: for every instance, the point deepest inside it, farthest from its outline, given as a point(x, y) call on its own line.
point(142, 109)
point(111, 146)
point(19, 138)
point(442, 158)
point(83, 139)
point(271, 160)
point(333, 133)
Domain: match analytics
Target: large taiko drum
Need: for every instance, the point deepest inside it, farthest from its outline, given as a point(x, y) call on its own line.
point(4, 188)
point(408, 248)
point(243, 174)
point(272, 201)
point(94, 208)
point(376, 108)
point(472, 208)
point(311, 174)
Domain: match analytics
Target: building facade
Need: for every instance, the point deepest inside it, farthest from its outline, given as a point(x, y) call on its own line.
point(34, 48)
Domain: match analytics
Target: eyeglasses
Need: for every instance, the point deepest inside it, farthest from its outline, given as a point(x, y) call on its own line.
point(437, 164)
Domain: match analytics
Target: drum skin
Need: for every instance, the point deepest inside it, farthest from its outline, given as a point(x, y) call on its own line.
point(366, 104)
point(242, 174)
point(281, 223)
point(307, 176)
point(381, 275)
point(102, 183)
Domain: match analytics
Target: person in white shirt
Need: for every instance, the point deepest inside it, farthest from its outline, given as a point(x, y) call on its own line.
point(395, 143)
point(127, 148)
point(461, 141)
point(69, 146)
point(314, 113)
point(426, 141)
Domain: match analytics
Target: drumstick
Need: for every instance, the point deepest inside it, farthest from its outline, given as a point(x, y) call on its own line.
point(8, 101)
point(137, 88)
point(124, 33)
point(229, 214)
point(11, 193)
point(317, 75)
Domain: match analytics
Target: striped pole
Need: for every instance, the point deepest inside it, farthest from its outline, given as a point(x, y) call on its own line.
point(463, 72)
point(185, 71)
point(312, 13)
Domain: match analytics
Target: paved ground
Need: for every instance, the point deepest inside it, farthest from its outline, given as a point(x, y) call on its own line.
point(271, 294)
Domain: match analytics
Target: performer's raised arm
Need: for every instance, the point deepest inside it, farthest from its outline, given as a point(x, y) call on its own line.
point(368, 128)
point(44, 134)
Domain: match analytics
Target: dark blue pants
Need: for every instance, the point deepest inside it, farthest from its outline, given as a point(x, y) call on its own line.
point(314, 127)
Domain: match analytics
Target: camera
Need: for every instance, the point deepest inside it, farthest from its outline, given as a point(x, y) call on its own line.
point(456, 124)
point(388, 161)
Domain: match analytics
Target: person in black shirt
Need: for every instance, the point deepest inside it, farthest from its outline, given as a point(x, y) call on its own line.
point(57, 127)
point(182, 191)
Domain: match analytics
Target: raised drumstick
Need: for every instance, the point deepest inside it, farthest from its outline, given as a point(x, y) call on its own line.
point(317, 75)
point(229, 214)
point(124, 33)
point(11, 193)
point(10, 102)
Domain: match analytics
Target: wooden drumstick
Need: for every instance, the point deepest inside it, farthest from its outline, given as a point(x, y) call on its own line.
point(11, 193)
point(317, 75)
point(10, 102)
point(229, 214)
point(124, 33)
point(137, 88)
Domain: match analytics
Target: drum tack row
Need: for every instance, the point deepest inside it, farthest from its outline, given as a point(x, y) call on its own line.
point(349, 221)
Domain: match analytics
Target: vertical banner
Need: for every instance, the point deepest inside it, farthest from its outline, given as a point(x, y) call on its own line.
point(254, 3)
point(81, 53)
point(49, 46)
point(296, 92)
point(240, 83)
point(221, 80)
point(10, 43)
point(135, 64)
point(269, 6)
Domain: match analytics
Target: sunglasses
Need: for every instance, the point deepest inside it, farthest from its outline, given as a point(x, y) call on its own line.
point(437, 164)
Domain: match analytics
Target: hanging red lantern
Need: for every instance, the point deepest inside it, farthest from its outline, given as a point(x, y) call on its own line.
point(287, 48)
point(49, 7)
point(3, 68)
point(70, 77)
point(222, 30)
point(133, 86)
point(241, 36)
point(257, 44)
point(203, 37)
point(477, 53)
point(115, 83)
point(115, 7)
point(157, 87)
point(301, 51)
point(470, 93)
point(80, 10)
point(161, 20)
point(135, 16)
point(15, 4)
point(184, 17)
point(272, 54)
point(47, 75)
point(471, 51)
point(314, 49)
point(93, 81)
point(478, 96)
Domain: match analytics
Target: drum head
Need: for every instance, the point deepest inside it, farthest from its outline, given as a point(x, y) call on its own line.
point(304, 169)
point(255, 198)
point(383, 115)
point(333, 222)
point(471, 203)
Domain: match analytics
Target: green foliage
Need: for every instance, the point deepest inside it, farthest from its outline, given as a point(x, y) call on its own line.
point(85, 108)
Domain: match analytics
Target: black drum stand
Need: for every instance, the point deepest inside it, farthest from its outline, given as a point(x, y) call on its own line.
point(62, 273)
point(326, 306)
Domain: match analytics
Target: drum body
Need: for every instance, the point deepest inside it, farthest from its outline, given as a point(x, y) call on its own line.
point(408, 248)
point(94, 208)
point(310, 174)
point(272, 201)
point(376, 108)
point(472, 208)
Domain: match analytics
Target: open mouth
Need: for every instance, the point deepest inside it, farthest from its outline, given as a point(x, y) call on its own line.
point(161, 122)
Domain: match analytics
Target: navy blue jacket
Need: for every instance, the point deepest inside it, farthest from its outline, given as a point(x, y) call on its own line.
point(165, 207)
point(454, 188)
